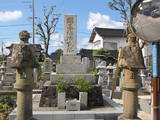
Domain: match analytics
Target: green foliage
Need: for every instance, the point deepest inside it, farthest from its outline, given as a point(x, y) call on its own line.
point(61, 85)
point(6, 99)
point(82, 85)
point(5, 108)
point(58, 62)
point(38, 64)
point(59, 52)
point(99, 52)
point(7, 103)
point(44, 77)
point(81, 50)
point(94, 73)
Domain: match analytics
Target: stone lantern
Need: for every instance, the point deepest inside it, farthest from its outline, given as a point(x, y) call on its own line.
point(24, 59)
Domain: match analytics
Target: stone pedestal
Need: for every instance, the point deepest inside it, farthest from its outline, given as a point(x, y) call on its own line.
point(61, 100)
point(73, 105)
point(130, 95)
point(71, 64)
point(83, 98)
point(24, 87)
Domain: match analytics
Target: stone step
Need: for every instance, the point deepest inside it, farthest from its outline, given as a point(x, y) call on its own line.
point(71, 68)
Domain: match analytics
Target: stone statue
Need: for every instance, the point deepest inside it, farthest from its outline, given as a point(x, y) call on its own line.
point(23, 59)
point(102, 70)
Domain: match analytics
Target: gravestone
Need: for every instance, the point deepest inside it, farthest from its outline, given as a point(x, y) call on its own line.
point(110, 73)
point(83, 98)
point(47, 66)
point(71, 65)
point(87, 62)
point(102, 70)
point(8, 75)
point(70, 35)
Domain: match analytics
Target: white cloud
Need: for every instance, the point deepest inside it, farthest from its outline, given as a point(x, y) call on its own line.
point(56, 40)
point(104, 21)
point(5, 44)
point(84, 44)
point(10, 15)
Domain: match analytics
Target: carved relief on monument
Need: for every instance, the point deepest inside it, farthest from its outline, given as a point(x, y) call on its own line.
point(69, 35)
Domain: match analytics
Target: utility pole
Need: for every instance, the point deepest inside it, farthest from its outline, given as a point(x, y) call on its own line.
point(155, 81)
point(33, 34)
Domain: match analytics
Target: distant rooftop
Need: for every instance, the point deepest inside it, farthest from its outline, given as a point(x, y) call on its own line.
point(107, 32)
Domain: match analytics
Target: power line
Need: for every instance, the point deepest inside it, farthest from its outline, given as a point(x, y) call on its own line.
point(16, 25)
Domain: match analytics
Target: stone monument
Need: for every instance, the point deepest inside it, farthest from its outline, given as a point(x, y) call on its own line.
point(47, 66)
point(23, 59)
point(8, 76)
point(102, 70)
point(110, 73)
point(71, 65)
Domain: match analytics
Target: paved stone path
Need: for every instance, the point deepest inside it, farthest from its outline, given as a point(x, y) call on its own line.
point(141, 114)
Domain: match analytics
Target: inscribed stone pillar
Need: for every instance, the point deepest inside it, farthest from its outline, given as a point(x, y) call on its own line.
point(70, 34)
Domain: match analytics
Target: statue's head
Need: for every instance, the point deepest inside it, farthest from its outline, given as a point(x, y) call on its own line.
point(24, 36)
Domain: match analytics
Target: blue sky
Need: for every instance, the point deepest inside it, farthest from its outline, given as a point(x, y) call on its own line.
point(90, 13)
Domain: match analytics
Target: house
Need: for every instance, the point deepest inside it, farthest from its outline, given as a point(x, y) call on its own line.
point(106, 38)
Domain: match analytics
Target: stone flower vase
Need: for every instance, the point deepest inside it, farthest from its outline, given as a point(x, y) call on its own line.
point(61, 100)
point(83, 98)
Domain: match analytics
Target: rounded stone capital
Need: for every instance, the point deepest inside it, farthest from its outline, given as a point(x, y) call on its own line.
point(131, 86)
point(24, 36)
point(24, 86)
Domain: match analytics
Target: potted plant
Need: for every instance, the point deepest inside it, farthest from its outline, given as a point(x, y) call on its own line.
point(61, 87)
point(83, 86)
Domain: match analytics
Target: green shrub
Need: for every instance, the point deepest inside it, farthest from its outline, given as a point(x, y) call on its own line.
point(7, 103)
point(82, 85)
point(95, 73)
point(38, 64)
point(61, 85)
point(99, 52)
point(44, 77)
point(58, 62)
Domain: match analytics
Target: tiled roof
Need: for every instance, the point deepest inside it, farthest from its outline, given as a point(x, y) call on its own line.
point(107, 32)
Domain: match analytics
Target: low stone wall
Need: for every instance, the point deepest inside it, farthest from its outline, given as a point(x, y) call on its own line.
point(49, 96)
